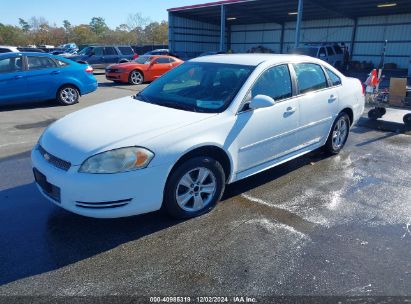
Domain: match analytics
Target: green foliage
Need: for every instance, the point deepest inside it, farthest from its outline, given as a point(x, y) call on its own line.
point(137, 30)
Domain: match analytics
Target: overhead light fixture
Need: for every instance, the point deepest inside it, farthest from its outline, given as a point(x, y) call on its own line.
point(293, 13)
point(231, 18)
point(386, 5)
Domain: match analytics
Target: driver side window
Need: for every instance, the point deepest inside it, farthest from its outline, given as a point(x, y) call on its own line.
point(274, 82)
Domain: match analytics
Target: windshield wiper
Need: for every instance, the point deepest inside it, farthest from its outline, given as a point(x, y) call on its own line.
point(180, 106)
point(141, 97)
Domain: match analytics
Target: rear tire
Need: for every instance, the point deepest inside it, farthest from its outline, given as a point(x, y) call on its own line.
point(194, 188)
point(67, 95)
point(407, 119)
point(338, 135)
point(135, 77)
point(373, 114)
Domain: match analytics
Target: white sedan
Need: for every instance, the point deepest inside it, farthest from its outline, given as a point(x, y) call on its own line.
point(212, 121)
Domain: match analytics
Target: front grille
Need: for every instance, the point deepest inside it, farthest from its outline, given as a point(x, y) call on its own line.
point(103, 205)
point(55, 161)
point(112, 71)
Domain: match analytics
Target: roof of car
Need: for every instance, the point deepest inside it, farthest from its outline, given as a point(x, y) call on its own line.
point(251, 59)
point(24, 54)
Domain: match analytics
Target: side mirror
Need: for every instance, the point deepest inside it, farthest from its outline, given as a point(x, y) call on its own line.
point(261, 101)
point(92, 53)
point(153, 62)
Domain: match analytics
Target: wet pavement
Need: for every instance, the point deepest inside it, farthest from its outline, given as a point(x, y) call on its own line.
point(314, 226)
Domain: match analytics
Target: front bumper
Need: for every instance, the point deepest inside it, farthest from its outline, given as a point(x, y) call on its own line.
point(122, 77)
point(102, 195)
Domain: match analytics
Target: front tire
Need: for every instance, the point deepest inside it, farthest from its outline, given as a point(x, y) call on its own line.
point(194, 188)
point(338, 134)
point(135, 77)
point(68, 95)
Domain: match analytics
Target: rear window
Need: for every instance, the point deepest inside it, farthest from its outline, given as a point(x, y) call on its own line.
point(3, 50)
point(126, 50)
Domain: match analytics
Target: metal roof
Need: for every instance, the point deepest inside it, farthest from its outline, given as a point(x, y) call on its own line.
point(278, 11)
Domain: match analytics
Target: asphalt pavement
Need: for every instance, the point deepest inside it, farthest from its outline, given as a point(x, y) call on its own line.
point(318, 225)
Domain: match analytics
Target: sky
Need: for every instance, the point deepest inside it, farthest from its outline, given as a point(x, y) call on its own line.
point(81, 11)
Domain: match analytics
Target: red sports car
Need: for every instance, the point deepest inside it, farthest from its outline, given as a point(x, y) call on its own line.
point(144, 68)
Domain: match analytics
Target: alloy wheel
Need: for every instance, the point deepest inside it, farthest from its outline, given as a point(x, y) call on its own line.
point(196, 189)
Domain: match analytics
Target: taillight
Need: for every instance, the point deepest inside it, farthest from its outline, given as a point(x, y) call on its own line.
point(362, 87)
point(89, 69)
point(135, 56)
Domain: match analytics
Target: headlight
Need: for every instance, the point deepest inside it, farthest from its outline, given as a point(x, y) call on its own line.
point(118, 160)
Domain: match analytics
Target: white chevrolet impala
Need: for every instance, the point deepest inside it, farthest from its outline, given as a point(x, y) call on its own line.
point(211, 121)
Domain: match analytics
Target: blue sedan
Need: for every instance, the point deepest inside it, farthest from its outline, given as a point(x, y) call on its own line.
point(40, 76)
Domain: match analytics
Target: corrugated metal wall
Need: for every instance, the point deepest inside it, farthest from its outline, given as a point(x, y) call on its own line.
point(194, 37)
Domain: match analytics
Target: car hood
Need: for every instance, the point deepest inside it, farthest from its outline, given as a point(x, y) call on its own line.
point(110, 125)
point(128, 65)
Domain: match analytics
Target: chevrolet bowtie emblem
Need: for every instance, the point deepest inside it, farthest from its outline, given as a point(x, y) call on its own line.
point(46, 156)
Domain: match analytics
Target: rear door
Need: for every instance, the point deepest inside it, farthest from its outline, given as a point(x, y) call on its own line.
point(110, 55)
point(318, 103)
point(331, 56)
point(95, 58)
point(42, 77)
point(13, 82)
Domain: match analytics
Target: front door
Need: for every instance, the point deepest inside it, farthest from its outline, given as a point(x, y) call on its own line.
point(158, 67)
point(268, 133)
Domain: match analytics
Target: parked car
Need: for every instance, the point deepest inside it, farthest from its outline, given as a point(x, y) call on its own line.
point(100, 56)
point(144, 68)
point(31, 76)
point(159, 52)
point(331, 53)
point(15, 49)
point(209, 122)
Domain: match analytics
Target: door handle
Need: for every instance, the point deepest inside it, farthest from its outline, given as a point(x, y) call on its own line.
point(290, 110)
point(18, 77)
point(332, 98)
point(55, 72)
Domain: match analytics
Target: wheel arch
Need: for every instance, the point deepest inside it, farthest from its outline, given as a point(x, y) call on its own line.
point(138, 70)
point(350, 114)
point(208, 150)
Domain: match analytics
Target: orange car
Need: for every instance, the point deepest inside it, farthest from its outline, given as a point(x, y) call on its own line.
point(144, 68)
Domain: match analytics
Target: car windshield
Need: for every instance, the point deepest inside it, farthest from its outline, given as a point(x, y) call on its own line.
point(143, 59)
point(305, 51)
point(85, 51)
point(197, 86)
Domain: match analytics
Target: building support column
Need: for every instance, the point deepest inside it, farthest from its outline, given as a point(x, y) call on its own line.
point(353, 37)
point(171, 32)
point(222, 29)
point(298, 26)
point(282, 38)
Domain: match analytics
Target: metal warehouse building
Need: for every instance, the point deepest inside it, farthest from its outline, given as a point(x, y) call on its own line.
point(240, 25)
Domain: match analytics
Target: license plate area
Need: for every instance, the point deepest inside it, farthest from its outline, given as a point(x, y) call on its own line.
point(49, 189)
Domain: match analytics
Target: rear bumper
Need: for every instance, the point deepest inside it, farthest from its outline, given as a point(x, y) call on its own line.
point(89, 87)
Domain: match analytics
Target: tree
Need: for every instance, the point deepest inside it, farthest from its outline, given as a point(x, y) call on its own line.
point(82, 34)
point(98, 25)
point(136, 24)
point(24, 25)
point(67, 26)
point(156, 33)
